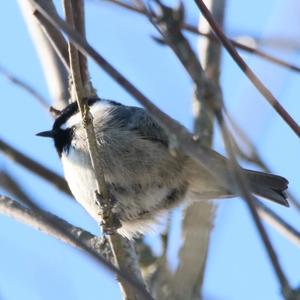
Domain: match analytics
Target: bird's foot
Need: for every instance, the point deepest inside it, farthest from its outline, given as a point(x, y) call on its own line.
point(110, 220)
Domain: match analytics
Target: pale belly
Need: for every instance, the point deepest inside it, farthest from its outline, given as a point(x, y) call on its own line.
point(138, 207)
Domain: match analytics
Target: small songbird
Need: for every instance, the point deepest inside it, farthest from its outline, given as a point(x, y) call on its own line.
point(141, 174)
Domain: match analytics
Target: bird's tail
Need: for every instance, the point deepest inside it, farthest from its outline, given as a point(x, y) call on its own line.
point(272, 187)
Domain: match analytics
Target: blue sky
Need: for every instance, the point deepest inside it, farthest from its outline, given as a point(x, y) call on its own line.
point(35, 266)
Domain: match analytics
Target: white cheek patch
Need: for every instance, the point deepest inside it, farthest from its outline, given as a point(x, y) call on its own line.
point(74, 120)
point(98, 108)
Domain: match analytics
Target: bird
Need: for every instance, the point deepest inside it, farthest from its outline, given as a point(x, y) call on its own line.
point(141, 174)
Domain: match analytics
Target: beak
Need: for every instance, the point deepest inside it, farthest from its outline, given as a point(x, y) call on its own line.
point(48, 134)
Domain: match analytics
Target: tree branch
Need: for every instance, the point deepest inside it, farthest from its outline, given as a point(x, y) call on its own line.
point(193, 29)
point(168, 25)
point(253, 156)
point(123, 250)
point(247, 71)
point(243, 188)
point(278, 223)
point(25, 86)
point(34, 167)
point(70, 234)
point(35, 219)
point(8, 183)
point(199, 217)
point(54, 71)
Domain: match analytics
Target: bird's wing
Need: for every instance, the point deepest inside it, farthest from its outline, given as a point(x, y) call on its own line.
point(138, 120)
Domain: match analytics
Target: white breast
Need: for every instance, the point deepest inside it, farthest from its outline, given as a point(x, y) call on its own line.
point(81, 180)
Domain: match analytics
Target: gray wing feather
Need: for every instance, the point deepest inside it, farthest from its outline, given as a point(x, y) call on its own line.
point(138, 120)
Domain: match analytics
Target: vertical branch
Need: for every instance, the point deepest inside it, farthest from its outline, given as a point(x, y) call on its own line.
point(198, 219)
point(122, 249)
point(243, 188)
point(54, 71)
point(76, 84)
point(247, 71)
point(210, 56)
point(79, 25)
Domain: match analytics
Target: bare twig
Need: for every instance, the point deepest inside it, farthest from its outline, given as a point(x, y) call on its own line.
point(253, 156)
point(167, 23)
point(70, 234)
point(35, 219)
point(243, 187)
point(278, 223)
point(248, 72)
point(212, 37)
point(197, 222)
point(79, 96)
point(25, 86)
point(8, 183)
point(79, 23)
point(58, 43)
point(54, 71)
point(34, 167)
point(123, 250)
point(199, 218)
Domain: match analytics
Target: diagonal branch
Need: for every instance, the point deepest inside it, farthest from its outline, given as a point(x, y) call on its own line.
point(69, 234)
point(34, 167)
point(58, 43)
point(248, 72)
point(199, 218)
point(122, 249)
point(25, 86)
point(167, 24)
point(35, 219)
point(253, 156)
point(8, 183)
point(79, 94)
point(278, 223)
point(54, 71)
point(193, 29)
point(244, 190)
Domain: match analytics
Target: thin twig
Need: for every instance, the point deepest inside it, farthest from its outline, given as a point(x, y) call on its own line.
point(35, 219)
point(253, 156)
point(197, 222)
point(25, 86)
point(10, 184)
point(243, 188)
point(58, 43)
point(79, 25)
point(123, 250)
point(68, 233)
point(199, 218)
point(212, 37)
point(79, 95)
point(278, 223)
point(55, 72)
point(34, 167)
point(167, 24)
point(248, 72)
